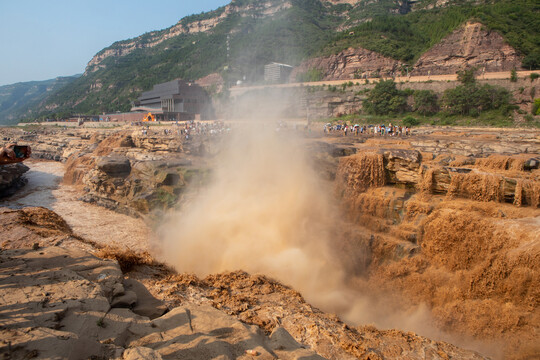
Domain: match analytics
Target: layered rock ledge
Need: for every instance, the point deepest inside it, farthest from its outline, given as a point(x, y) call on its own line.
point(59, 300)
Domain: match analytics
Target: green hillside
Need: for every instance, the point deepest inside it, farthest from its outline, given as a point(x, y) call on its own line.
point(409, 36)
point(396, 28)
point(289, 36)
point(21, 99)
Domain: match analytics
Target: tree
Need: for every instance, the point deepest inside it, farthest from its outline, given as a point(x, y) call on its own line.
point(532, 61)
point(385, 99)
point(426, 102)
point(472, 99)
point(513, 75)
point(467, 76)
point(459, 100)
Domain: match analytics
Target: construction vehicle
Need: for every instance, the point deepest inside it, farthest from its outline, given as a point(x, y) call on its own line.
point(149, 117)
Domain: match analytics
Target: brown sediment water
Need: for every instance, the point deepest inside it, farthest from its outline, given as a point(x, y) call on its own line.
point(426, 185)
point(359, 172)
point(467, 253)
point(501, 162)
point(95, 223)
point(527, 193)
point(266, 212)
point(477, 186)
point(464, 264)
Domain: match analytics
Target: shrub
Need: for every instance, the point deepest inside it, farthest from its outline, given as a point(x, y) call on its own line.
point(534, 76)
point(536, 107)
point(410, 121)
point(490, 97)
point(408, 92)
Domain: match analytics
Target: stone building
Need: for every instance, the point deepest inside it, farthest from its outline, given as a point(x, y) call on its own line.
point(277, 73)
point(176, 100)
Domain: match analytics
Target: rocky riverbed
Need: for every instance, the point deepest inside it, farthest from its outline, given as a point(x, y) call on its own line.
point(45, 188)
point(437, 233)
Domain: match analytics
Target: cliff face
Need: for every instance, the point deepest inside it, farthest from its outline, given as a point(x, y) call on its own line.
point(349, 64)
point(154, 38)
point(470, 45)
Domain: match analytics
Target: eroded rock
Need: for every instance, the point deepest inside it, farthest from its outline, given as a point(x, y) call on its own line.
point(11, 178)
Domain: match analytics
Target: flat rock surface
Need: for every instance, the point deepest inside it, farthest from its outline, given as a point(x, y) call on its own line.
point(56, 303)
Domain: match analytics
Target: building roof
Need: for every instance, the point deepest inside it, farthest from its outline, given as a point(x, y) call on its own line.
point(280, 64)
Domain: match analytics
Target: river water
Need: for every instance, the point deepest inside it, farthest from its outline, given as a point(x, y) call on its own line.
point(89, 221)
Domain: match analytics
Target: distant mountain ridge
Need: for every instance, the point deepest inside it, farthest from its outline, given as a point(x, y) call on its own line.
point(18, 100)
point(235, 41)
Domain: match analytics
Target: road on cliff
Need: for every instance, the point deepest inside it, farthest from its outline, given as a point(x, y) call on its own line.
point(238, 90)
point(89, 221)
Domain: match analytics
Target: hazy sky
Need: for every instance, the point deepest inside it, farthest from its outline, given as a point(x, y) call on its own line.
point(43, 39)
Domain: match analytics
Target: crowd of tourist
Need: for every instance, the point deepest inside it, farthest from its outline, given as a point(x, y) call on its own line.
point(191, 128)
point(380, 130)
point(188, 129)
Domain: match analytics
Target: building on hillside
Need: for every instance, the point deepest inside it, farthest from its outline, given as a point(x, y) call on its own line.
point(176, 100)
point(277, 73)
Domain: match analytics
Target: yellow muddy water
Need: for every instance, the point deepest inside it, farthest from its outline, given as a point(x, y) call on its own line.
point(90, 221)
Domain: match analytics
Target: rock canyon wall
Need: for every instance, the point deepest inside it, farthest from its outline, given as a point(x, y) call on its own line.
point(437, 232)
